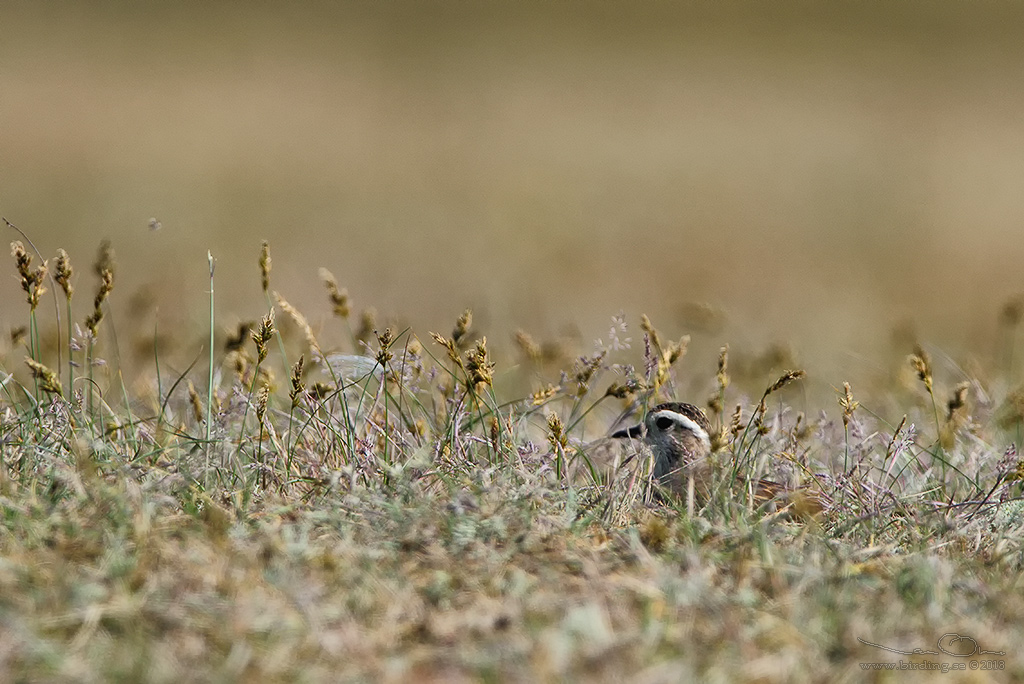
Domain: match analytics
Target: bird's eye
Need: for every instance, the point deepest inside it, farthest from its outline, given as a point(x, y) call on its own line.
point(663, 423)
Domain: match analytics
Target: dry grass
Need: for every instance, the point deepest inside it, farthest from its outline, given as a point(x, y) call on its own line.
point(393, 511)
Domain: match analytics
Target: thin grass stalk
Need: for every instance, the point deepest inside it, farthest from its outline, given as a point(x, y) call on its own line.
point(156, 366)
point(209, 383)
point(89, 350)
point(131, 418)
point(265, 266)
point(71, 359)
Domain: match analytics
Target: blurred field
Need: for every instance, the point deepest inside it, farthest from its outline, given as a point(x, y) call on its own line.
point(817, 173)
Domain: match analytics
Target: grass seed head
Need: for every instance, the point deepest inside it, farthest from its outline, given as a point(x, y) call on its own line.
point(720, 438)
point(106, 286)
point(736, 424)
point(262, 397)
point(385, 340)
point(585, 369)
point(298, 386)
point(62, 273)
point(367, 325)
point(921, 362)
point(449, 347)
point(652, 334)
point(556, 433)
point(723, 368)
point(338, 296)
point(461, 330)
point(263, 334)
point(478, 366)
point(528, 346)
point(22, 259)
point(543, 394)
point(494, 432)
point(48, 380)
point(31, 280)
point(848, 404)
point(265, 265)
point(786, 378)
point(239, 360)
point(624, 390)
point(195, 402)
point(104, 258)
point(300, 320)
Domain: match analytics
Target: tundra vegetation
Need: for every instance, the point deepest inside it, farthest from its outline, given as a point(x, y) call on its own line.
point(353, 501)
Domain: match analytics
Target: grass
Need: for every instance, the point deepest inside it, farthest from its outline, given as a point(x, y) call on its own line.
point(397, 510)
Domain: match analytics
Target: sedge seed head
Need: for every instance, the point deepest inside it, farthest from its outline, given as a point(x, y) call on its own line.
point(104, 258)
point(461, 330)
point(337, 295)
point(265, 265)
point(786, 378)
point(736, 424)
point(921, 362)
point(367, 324)
point(723, 368)
point(195, 402)
point(263, 334)
point(385, 340)
point(48, 380)
point(848, 404)
point(478, 366)
point(31, 280)
point(106, 286)
point(261, 402)
point(62, 273)
point(449, 347)
point(298, 386)
point(556, 433)
point(528, 346)
point(543, 394)
point(301, 322)
point(652, 334)
point(585, 369)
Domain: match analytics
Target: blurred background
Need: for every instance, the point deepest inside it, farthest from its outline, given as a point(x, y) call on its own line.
point(810, 175)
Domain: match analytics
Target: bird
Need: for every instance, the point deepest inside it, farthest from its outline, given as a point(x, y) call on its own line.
point(677, 436)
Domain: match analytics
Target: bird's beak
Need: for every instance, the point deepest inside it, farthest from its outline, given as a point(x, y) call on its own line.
point(635, 432)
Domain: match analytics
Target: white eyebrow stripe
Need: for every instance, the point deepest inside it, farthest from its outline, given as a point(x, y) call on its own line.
point(686, 422)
